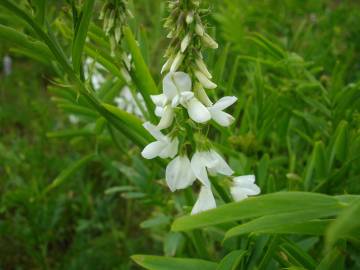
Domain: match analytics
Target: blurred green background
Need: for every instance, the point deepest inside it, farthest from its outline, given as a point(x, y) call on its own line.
point(295, 66)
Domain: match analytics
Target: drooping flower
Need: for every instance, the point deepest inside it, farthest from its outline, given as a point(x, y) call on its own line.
point(205, 200)
point(164, 146)
point(243, 187)
point(217, 113)
point(177, 90)
point(211, 162)
point(179, 174)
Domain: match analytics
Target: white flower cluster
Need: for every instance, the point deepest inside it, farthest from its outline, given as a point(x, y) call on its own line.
point(126, 102)
point(184, 109)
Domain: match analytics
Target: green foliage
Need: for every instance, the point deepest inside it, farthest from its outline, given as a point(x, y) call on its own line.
point(79, 196)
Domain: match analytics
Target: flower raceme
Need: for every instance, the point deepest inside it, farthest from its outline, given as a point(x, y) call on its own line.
point(181, 172)
point(177, 90)
point(185, 110)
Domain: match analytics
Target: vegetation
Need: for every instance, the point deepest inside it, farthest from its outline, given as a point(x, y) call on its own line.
point(75, 192)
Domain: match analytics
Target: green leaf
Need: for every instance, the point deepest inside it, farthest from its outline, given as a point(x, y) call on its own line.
point(132, 124)
point(68, 172)
point(80, 35)
point(113, 190)
point(30, 46)
point(340, 143)
point(160, 220)
point(334, 259)
point(315, 163)
point(232, 260)
point(297, 222)
point(70, 133)
point(270, 204)
point(167, 263)
point(346, 225)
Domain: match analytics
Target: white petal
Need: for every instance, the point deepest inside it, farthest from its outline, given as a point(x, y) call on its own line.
point(205, 201)
point(243, 187)
point(222, 118)
point(224, 102)
point(167, 118)
point(169, 88)
point(153, 149)
point(201, 65)
point(170, 150)
point(204, 80)
point(238, 194)
point(154, 131)
point(186, 96)
point(177, 62)
point(244, 179)
point(202, 96)
point(198, 165)
point(182, 81)
point(159, 100)
point(179, 174)
point(197, 111)
point(199, 29)
point(220, 166)
point(209, 41)
point(185, 43)
point(175, 101)
point(167, 64)
point(159, 111)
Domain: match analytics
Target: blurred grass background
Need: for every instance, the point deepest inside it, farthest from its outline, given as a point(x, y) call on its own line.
point(290, 98)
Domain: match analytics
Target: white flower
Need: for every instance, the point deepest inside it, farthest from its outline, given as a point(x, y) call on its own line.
point(243, 187)
point(92, 70)
point(167, 117)
point(217, 114)
point(177, 90)
point(7, 63)
point(74, 119)
point(179, 174)
point(126, 102)
point(205, 201)
point(163, 147)
point(197, 111)
point(209, 161)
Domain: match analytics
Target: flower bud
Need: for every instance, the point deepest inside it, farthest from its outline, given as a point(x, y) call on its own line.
point(189, 17)
point(202, 96)
point(125, 75)
point(204, 80)
point(118, 33)
point(167, 64)
point(177, 62)
point(201, 65)
point(199, 29)
point(111, 21)
point(209, 41)
point(185, 42)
